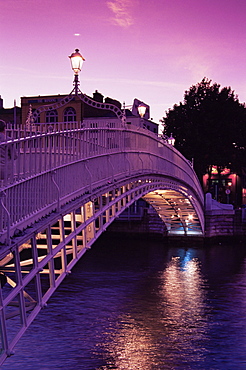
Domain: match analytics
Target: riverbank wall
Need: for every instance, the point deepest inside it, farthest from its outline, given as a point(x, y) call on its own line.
point(221, 222)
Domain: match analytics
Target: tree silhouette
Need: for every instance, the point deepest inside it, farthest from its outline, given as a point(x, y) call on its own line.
point(209, 127)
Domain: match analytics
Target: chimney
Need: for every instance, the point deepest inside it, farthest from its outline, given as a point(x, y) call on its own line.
point(97, 96)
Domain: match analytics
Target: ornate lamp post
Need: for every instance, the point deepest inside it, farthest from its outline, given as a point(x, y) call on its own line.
point(76, 63)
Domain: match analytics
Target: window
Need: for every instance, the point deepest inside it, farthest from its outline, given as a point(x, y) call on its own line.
point(69, 114)
point(51, 116)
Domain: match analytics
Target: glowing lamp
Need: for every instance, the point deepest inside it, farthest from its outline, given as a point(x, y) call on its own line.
point(76, 61)
point(171, 140)
point(141, 110)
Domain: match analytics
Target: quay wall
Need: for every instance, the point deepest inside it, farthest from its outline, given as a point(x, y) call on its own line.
point(221, 221)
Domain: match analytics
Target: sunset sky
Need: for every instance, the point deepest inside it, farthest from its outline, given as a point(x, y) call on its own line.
point(152, 50)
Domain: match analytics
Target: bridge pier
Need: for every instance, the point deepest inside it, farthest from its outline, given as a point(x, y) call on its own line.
point(219, 218)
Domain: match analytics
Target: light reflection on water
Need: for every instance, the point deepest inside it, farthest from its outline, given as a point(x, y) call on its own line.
point(130, 346)
point(184, 308)
point(134, 305)
point(177, 328)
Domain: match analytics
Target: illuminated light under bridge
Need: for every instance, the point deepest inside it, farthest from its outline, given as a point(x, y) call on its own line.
point(176, 210)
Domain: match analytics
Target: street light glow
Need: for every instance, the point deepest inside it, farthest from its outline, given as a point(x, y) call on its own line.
point(76, 61)
point(171, 140)
point(141, 110)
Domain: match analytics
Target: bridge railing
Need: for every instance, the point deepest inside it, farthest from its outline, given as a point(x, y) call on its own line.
point(42, 170)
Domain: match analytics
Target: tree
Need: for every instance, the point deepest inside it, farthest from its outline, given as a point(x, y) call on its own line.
point(209, 127)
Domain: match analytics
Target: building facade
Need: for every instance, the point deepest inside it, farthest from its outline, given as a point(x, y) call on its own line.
point(226, 186)
point(70, 112)
point(12, 116)
point(77, 110)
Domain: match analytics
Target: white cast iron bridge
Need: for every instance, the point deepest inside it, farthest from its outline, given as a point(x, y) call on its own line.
point(63, 185)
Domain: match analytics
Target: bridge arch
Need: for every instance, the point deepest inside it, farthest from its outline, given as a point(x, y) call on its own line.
point(67, 188)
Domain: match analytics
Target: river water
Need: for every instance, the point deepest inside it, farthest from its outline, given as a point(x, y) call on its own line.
point(140, 305)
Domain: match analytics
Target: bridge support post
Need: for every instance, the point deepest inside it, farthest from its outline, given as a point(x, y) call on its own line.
point(4, 340)
point(112, 167)
point(51, 261)
point(141, 161)
point(90, 229)
point(35, 266)
point(53, 173)
point(90, 174)
point(129, 165)
point(3, 207)
point(74, 241)
point(19, 283)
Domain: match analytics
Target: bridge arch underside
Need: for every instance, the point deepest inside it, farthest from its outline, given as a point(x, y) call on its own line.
point(176, 211)
point(177, 205)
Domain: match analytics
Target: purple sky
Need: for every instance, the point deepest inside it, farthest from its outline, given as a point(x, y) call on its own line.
point(152, 50)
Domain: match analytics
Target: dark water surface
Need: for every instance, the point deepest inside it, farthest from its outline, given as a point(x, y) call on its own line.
point(140, 305)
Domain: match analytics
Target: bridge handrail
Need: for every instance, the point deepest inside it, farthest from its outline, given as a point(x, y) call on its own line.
point(42, 129)
point(35, 159)
point(27, 144)
point(30, 145)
